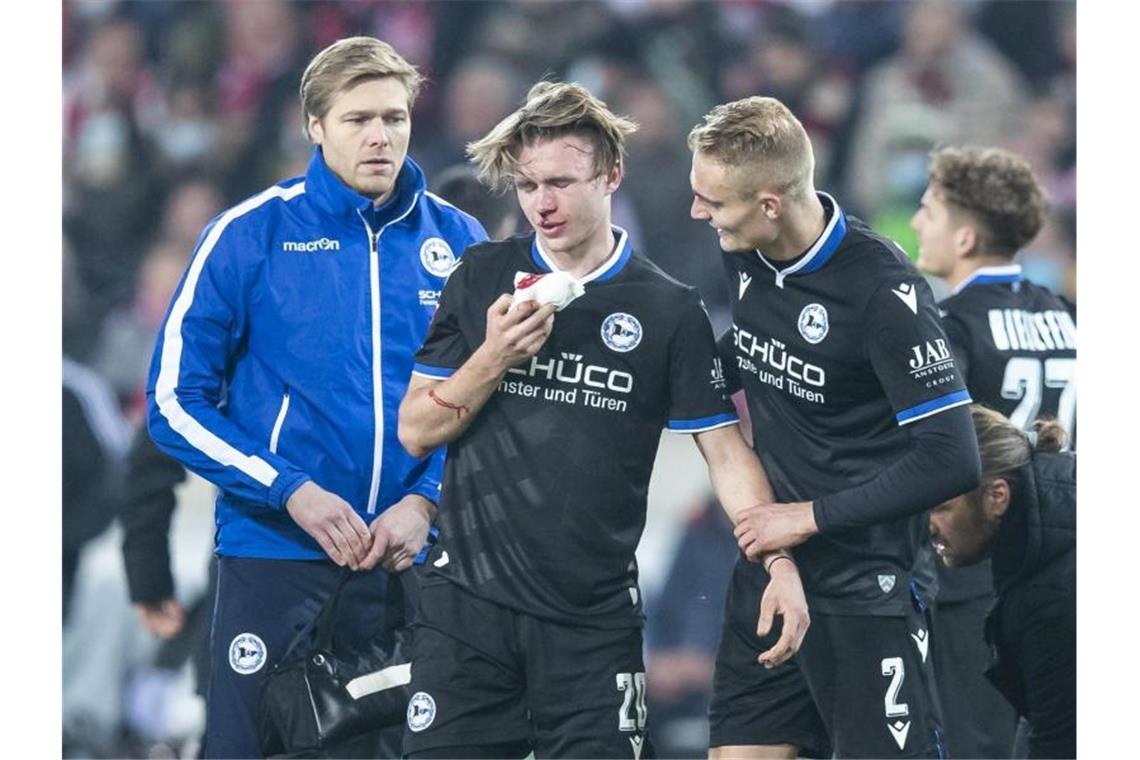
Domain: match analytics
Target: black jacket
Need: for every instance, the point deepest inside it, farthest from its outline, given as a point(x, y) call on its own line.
point(1032, 629)
point(145, 511)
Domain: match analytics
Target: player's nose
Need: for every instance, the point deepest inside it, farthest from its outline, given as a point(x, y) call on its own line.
point(697, 211)
point(547, 201)
point(377, 134)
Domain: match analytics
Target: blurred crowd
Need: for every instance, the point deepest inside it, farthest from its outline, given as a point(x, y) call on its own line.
point(174, 111)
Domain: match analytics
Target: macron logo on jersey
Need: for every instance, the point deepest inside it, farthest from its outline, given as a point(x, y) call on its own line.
point(312, 246)
point(745, 281)
point(908, 295)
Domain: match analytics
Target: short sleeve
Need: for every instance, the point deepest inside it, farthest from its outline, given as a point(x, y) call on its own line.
point(445, 348)
point(698, 388)
point(910, 353)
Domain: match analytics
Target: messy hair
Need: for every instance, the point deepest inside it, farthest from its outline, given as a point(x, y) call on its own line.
point(760, 139)
point(997, 188)
point(552, 110)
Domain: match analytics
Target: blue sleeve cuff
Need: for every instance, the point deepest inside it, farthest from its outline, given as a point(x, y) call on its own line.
point(284, 486)
point(428, 489)
point(934, 406)
point(436, 373)
point(702, 424)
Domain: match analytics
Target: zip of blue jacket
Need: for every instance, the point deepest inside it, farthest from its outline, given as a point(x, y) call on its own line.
point(288, 347)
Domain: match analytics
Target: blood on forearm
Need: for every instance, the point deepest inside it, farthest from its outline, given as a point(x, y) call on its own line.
point(459, 409)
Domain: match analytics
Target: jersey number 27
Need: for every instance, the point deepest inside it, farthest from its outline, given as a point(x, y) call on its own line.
point(1026, 379)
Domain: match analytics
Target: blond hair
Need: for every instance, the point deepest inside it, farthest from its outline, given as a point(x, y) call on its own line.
point(345, 64)
point(552, 110)
point(1005, 448)
point(998, 188)
point(759, 138)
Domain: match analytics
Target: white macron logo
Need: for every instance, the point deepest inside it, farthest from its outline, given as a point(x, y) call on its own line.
point(921, 641)
point(745, 281)
point(908, 295)
point(899, 730)
point(312, 246)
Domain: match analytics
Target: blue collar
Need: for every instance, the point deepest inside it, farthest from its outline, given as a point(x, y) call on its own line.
point(822, 250)
point(608, 269)
point(330, 193)
point(1010, 273)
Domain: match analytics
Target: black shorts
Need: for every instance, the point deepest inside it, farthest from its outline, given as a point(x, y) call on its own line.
point(979, 721)
point(860, 686)
point(486, 675)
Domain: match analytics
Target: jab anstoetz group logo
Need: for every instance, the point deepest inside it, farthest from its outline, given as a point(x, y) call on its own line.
point(932, 359)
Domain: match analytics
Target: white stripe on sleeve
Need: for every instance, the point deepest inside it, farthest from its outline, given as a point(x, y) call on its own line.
point(165, 395)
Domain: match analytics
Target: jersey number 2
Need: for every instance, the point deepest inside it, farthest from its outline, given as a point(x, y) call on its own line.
point(893, 667)
point(1027, 378)
point(633, 686)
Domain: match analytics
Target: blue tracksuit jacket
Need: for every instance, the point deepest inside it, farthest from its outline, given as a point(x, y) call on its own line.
point(288, 347)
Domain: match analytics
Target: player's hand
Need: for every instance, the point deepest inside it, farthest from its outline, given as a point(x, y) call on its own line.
point(164, 619)
point(784, 596)
point(771, 527)
point(515, 335)
point(400, 533)
point(332, 522)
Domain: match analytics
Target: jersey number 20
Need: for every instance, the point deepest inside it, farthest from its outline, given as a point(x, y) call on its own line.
point(633, 686)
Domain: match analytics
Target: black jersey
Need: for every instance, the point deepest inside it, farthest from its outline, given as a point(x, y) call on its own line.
point(1016, 345)
point(837, 352)
point(544, 496)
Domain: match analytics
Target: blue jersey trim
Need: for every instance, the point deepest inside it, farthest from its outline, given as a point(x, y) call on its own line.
point(615, 263)
point(536, 257)
point(437, 373)
point(1008, 274)
point(830, 243)
point(703, 423)
point(994, 278)
point(622, 260)
point(927, 408)
point(821, 251)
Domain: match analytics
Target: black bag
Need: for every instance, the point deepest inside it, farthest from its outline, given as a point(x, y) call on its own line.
point(316, 702)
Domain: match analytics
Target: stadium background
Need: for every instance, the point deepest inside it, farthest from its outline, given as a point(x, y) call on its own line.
point(173, 111)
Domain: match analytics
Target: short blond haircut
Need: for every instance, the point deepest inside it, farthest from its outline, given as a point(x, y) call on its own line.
point(761, 140)
point(345, 64)
point(997, 188)
point(552, 110)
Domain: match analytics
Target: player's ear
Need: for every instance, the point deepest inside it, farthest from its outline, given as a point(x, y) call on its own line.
point(613, 178)
point(995, 498)
point(316, 130)
point(965, 240)
point(770, 204)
